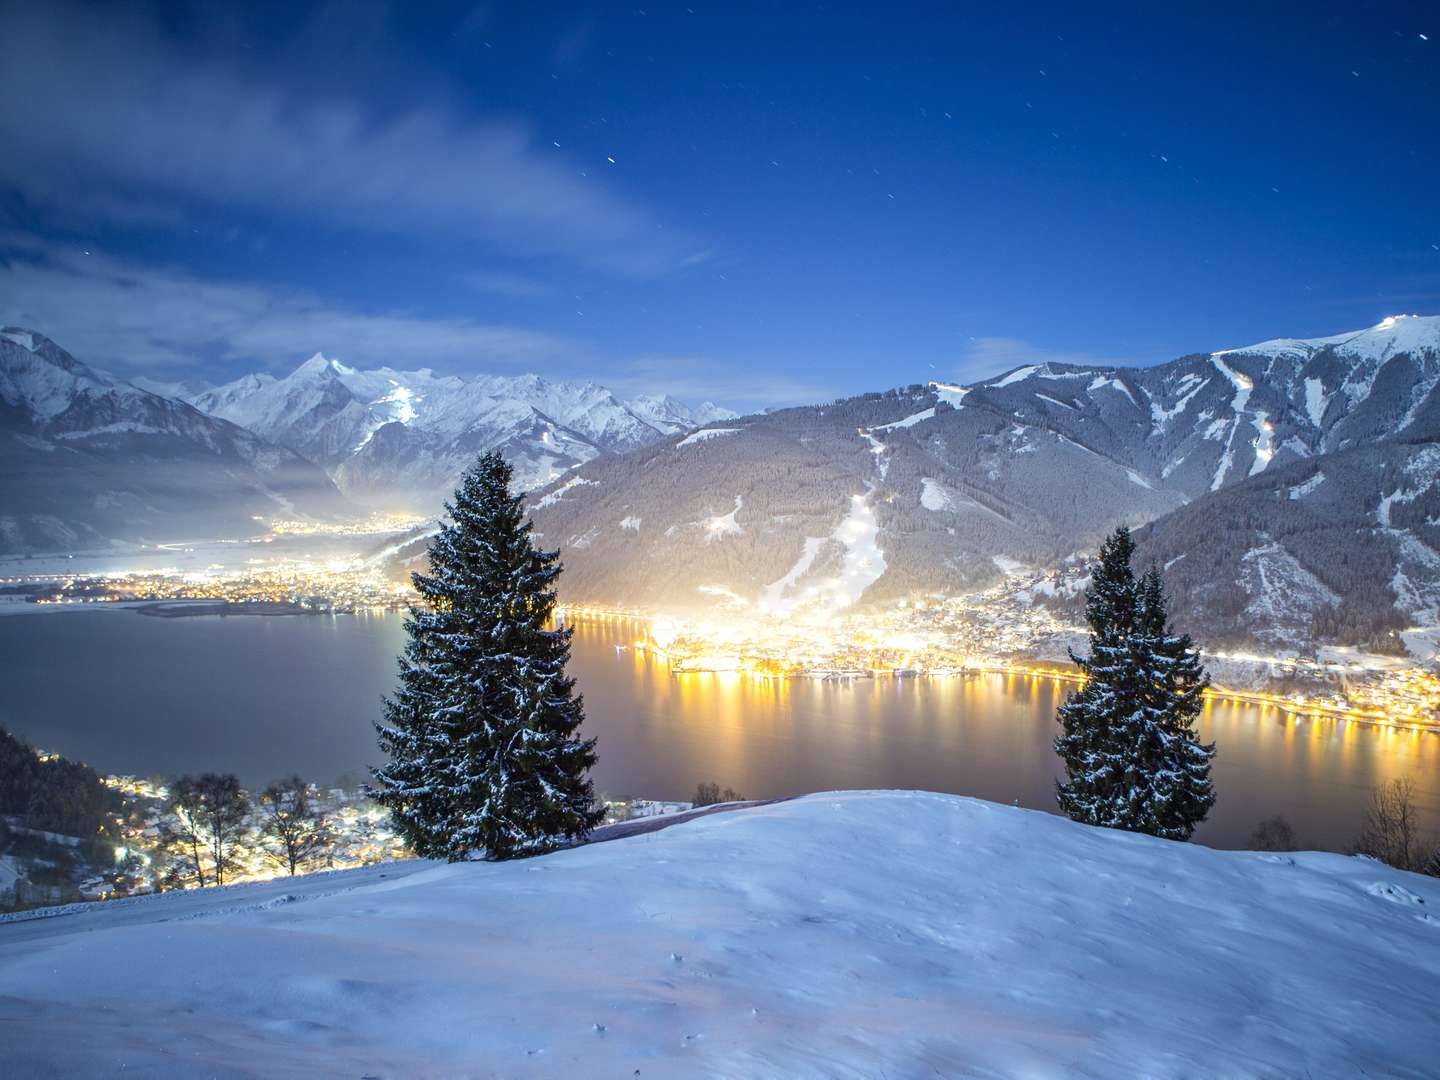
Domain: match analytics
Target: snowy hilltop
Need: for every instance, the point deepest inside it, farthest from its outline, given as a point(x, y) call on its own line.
point(853, 934)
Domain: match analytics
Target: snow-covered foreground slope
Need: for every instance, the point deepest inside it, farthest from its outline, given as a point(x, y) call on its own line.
point(853, 934)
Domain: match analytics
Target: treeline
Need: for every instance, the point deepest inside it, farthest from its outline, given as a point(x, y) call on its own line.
point(213, 829)
point(1331, 531)
point(1390, 832)
point(52, 794)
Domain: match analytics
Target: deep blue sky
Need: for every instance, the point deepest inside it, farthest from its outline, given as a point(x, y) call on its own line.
point(801, 204)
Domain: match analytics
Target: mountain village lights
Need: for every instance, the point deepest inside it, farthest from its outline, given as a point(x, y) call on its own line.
point(949, 637)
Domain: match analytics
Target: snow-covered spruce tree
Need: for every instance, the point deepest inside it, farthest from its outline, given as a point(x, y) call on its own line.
point(1132, 759)
point(1168, 752)
point(481, 735)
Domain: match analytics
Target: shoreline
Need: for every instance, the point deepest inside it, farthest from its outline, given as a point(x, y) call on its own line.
point(167, 609)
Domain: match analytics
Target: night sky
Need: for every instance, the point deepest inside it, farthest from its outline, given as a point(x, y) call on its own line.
point(712, 200)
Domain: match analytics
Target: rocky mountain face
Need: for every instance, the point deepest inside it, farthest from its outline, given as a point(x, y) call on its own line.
point(401, 438)
point(87, 458)
point(943, 487)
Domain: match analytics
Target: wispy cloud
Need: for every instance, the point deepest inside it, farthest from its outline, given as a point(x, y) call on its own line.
point(105, 114)
point(513, 286)
point(145, 320)
point(984, 357)
point(142, 319)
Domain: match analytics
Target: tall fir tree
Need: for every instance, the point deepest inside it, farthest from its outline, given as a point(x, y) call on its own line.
point(481, 735)
point(1132, 758)
point(1168, 752)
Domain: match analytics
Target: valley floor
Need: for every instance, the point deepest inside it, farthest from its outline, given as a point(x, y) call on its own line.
point(848, 934)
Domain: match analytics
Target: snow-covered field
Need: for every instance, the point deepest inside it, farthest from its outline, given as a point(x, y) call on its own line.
point(855, 934)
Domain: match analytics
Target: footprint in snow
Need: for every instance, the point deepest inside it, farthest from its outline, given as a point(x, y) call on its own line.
point(1396, 894)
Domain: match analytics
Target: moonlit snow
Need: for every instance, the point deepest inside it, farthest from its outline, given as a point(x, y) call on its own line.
point(703, 434)
point(843, 935)
point(933, 495)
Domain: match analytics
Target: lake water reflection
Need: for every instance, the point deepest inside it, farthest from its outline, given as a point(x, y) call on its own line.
point(262, 696)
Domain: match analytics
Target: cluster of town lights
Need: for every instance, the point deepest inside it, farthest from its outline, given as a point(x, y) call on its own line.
point(894, 643)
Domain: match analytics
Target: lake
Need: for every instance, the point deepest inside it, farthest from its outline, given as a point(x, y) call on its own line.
point(264, 696)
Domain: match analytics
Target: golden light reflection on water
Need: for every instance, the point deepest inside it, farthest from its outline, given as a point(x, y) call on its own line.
point(982, 734)
point(1364, 688)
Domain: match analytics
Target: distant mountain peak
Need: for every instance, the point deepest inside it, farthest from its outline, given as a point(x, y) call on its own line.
point(159, 464)
point(333, 415)
point(26, 339)
point(1391, 336)
point(319, 365)
point(40, 377)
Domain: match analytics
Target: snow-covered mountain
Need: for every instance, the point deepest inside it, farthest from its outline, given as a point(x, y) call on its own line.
point(1344, 546)
point(87, 458)
point(848, 934)
point(665, 414)
point(1203, 421)
point(403, 437)
point(939, 487)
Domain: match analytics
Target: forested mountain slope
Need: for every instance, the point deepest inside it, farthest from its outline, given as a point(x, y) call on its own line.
point(939, 487)
point(1342, 547)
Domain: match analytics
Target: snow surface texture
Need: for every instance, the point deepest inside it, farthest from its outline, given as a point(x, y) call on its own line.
point(705, 433)
point(933, 495)
point(949, 393)
point(843, 935)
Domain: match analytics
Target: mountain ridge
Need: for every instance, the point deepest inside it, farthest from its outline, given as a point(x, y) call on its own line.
point(90, 458)
point(951, 484)
point(331, 414)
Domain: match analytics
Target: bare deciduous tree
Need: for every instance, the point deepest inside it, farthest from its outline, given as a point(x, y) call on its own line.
point(292, 820)
point(207, 817)
point(1390, 833)
point(183, 833)
point(708, 794)
point(1274, 834)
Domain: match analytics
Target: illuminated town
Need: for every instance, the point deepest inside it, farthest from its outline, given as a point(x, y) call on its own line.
point(993, 631)
point(382, 521)
point(279, 585)
point(1001, 629)
point(356, 832)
